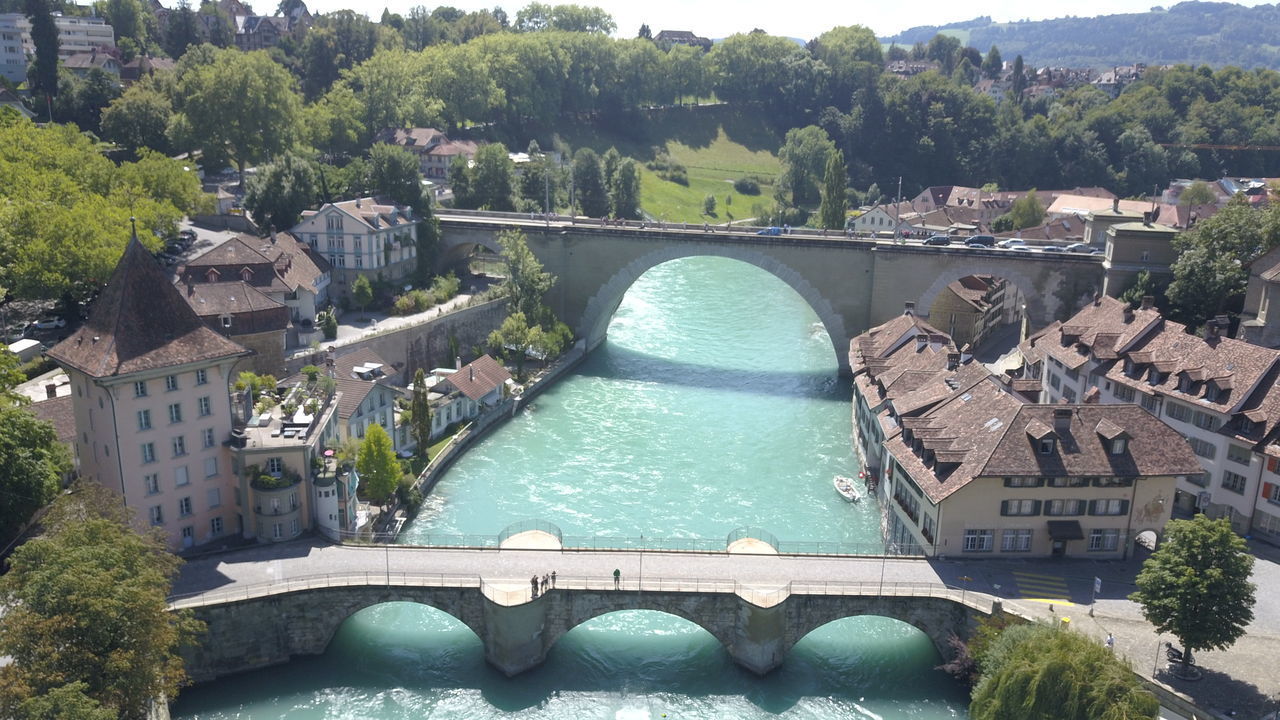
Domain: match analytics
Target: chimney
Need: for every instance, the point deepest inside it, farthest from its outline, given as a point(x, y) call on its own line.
point(1115, 205)
point(1128, 314)
point(1097, 299)
point(50, 391)
point(471, 372)
point(1148, 302)
point(966, 353)
point(909, 308)
point(1061, 420)
point(191, 286)
point(1147, 218)
point(457, 363)
point(922, 342)
point(1210, 329)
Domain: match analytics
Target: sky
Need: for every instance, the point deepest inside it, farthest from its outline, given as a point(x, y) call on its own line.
point(802, 19)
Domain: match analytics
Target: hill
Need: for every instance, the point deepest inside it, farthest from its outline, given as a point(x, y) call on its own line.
point(1196, 33)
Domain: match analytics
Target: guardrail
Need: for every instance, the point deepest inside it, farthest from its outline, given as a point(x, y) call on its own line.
point(530, 525)
point(516, 591)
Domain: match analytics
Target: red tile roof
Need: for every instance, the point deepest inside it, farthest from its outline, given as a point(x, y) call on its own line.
point(479, 377)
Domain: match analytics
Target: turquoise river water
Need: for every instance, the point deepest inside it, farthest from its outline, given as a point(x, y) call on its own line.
point(713, 405)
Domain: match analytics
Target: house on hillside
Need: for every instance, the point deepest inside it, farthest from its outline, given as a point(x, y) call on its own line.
point(971, 308)
point(366, 236)
point(464, 393)
point(667, 38)
point(82, 63)
point(434, 150)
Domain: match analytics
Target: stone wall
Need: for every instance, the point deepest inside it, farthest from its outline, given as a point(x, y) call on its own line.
point(423, 345)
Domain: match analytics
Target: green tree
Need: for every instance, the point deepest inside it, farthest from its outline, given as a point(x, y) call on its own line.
point(85, 605)
point(854, 56)
point(43, 77)
point(378, 466)
point(362, 292)
point(626, 190)
point(804, 156)
point(1196, 585)
point(278, 193)
point(993, 64)
point(183, 31)
point(80, 100)
point(31, 465)
point(526, 280)
point(420, 410)
point(589, 184)
point(329, 325)
point(1198, 193)
point(138, 119)
point(831, 213)
point(1213, 258)
point(709, 205)
point(68, 702)
point(393, 171)
point(1017, 79)
point(515, 337)
point(242, 103)
point(493, 179)
point(1035, 672)
point(1026, 211)
point(1145, 285)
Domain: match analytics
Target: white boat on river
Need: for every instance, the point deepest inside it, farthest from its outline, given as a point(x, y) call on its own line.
point(847, 489)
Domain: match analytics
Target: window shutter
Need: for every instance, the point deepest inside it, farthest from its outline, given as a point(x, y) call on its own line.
point(1093, 507)
point(1124, 507)
point(1268, 489)
point(1035, 509)
point(1004, 507)
point(1271, 464)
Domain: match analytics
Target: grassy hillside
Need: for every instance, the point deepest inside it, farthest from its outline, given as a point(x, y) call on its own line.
point(715, 145)
point(1197, 33)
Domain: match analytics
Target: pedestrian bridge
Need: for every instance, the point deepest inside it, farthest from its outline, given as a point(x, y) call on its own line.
point(257, 625)
point(851, 284)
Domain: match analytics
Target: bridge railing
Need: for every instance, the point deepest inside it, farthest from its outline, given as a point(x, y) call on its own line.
point(517, 591)
point(530, 525)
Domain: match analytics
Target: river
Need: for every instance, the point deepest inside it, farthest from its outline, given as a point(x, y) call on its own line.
point(713, 405)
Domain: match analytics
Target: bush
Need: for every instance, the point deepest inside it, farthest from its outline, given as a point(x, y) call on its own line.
point(668, 169)
point(328, 325)
point(746, 186)
point(312, 372)
point(410, 497)
point(445, 287)
point(37, 366)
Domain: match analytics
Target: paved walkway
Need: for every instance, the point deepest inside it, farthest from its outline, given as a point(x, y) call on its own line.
point(1240, 679)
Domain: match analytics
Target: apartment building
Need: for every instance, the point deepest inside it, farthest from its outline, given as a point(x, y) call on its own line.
point(1219, 393)
point(364, 236)
point(75, 35)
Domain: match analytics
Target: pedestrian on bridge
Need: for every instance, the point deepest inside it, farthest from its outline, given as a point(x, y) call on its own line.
point(553, 578)
point(534, 583)
point(546, 583)
point(617, 578)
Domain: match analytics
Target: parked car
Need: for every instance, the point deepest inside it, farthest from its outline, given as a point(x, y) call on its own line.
point(770, 231)
point(937, 240)
point(977, 246)
point(187, 234)
point(1079, 248)
point(1011, 243)
point(1019, 248)
point(983, 240)
point(1053, 248)
point(53, 323)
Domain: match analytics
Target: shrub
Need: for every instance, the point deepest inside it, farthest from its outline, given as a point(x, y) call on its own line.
point(668, 169)
point(445, 287)
point(746, 186)
point(312, 372)
point(328, 325)
point(37, 366)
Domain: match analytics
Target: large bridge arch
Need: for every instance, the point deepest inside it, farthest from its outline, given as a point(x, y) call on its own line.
point(601, 306)
point(698, 611)
point(937, 618)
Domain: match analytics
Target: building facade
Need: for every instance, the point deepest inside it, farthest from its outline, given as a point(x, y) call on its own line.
point(75, 35)
point(362, 237)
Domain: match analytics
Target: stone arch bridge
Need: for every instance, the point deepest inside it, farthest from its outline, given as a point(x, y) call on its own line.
point(265, 625)
point(852, 284)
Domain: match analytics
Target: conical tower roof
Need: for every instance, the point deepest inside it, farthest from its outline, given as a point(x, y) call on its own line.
point(140, 322)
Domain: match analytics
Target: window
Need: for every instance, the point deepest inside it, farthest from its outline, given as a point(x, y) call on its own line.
point(1239, 455)
point(1046, 446)
point(140, 388)
point(214, 496)
point(1064, 507)
point(153, 483)
point(1150, 403)
point(1055, 381)
point(202, 377)
point(180, 476)
point(1068, 482)
point(170, 382)
point(1104, 540)
point(1233, 482)
point(1245, 425)
point(1200, 479)
point(204, 407)
point(1112, 482)
point(175, 413)
point(277, 531)
point(1111, 506)
point(977, 540)
point(1206, 421)
point(1118, 446)
point(275, 465)
point(293, 527)
point(210, 467)
point(184, 507)
point(148, 452)
point(1124, 393)
point(1020, 507)
point(144, 419)
point(157, 515)
point(179, 446)
point(1178, 412)
point(1015, 541)
point(1202, 448)
point(215, 526)
point(206, 438)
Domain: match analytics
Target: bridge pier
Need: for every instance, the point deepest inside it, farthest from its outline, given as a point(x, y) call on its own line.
point(514, 635)
point(758, 641)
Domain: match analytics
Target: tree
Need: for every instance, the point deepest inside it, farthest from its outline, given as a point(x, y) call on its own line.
point(1213, 258)
point(709, 205)
point(1198, 193)
point(853, 54)
point(1017, 79)
point(1196, 585)
point(378, 466)
point(1026, 211)
point(645, 32)
point(393, 171)
point(138, 119)
point(831, 213)
point(517, 336)
point(183, 30)
point(626, 190)
point(526, 280)
point(589, 184)
point(420, 410)
point(243, 104)
point(992, 64)
point(329, 325)
point(86, 619)
point(1036, 672)
point(804, 156)
point(278, 193)
point(31, 465)
point(493, 178)
point(43, 77)
point(362, 292)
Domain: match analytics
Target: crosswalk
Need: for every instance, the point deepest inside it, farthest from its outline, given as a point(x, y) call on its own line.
point(1040, 587)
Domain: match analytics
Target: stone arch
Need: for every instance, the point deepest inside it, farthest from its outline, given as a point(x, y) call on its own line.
point(604, 303)
point(937, 618)
point(455, 246)
point(1040, 309)
point(692, 608)
point(349, 604)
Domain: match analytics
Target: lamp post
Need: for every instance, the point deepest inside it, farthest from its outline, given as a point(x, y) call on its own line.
point(640, 575)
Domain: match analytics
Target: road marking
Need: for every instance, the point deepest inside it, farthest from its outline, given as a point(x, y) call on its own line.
point(1046, 588)
point(1051, 601)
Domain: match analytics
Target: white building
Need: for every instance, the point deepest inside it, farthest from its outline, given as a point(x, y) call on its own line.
point(75, 35)
point(362, 237)
point(465, 393)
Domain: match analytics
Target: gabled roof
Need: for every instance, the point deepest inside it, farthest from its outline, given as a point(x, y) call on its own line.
point(140, 322)
point(479, 377)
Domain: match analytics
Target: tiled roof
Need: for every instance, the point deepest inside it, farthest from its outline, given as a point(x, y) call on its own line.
point(973, 289)
point(1084, 204)
point(411, 137)
point(479, 377)
point(140, 322)
point(61, 412)
point(226, 298)
point(374, 213)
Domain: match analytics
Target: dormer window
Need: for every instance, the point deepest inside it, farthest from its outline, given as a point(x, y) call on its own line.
point(212, 275)
point(246, 274)
point(1047, 446)
point(1155, 377)
point(1211, 392)
point(1119, 445)
point(1184, 384)
point(1245, 425)
point(1128, 367)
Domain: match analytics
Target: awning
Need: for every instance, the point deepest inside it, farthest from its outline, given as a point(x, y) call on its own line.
point(1065, 530)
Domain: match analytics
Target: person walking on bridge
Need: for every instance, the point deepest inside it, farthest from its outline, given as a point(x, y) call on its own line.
point(617, 579)
point(534, 583)
point(553, 579)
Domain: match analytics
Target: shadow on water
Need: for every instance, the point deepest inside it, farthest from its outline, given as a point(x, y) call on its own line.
point(612, 362)
point(405, 658)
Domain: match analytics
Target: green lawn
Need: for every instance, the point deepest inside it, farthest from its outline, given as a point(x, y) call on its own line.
point(444, 440)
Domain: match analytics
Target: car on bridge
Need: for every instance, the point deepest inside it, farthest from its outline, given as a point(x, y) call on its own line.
point(770, 231)
point(982, 240)
point(1079, 248)
point(937, 240)
point(1012, 244)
